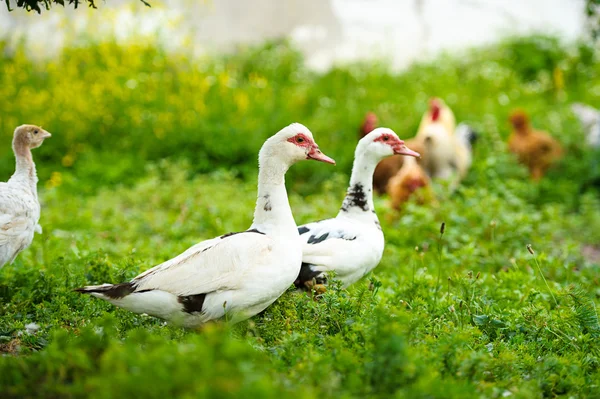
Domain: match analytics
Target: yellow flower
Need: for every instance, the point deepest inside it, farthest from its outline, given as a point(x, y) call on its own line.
point(559, 78)
point(68, 160)
point(159, 132)
point(55, 180)
point(242, 101)
point(258, 81)
point(223, 79)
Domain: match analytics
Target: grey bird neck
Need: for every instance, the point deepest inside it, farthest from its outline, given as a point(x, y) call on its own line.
point(25, 172)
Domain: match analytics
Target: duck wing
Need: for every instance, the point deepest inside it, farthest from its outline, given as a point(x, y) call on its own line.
point(323, 240)
point(214, 265)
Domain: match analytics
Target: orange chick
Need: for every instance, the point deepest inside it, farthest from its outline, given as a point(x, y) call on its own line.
point(535, 149)
point(410, 180)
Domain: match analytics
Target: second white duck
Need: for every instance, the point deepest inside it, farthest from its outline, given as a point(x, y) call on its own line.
point(236, 275)
point(351, 244)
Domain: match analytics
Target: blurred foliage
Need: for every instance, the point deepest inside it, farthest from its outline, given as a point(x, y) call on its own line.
point(113, 108)
point(37, 5)
point(532, 57)
point(490, 330)
point(152, 152)
point(592, 10)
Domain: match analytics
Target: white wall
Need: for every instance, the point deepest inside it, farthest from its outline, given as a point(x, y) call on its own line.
point(327, 31)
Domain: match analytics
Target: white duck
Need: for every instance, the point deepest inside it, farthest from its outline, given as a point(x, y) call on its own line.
point(236, 275)
point(351, 244)
point(19, 205)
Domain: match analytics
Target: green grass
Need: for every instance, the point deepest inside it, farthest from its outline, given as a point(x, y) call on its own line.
point(132, 177)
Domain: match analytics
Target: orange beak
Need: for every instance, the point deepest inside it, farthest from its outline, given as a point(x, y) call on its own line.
point(401, 149)
point(316, 154)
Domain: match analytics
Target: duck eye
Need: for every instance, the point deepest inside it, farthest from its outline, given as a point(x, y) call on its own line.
point(386, 138)
point(35, 132)
point(299, 139)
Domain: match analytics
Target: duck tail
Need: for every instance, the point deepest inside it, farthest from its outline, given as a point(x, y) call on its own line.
point(106, 291)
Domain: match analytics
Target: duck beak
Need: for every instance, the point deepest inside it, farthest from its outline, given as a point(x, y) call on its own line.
point(402, 149)
point(316, 154)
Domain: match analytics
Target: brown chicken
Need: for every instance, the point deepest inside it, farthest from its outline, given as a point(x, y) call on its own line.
point(535, 149)
point(368, 125)
point(387, 168)
point(410, 180)
point(390, 166)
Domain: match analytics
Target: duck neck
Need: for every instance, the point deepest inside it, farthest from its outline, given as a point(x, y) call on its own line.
point(273, 214)
point(25, 171)
point(359, 198)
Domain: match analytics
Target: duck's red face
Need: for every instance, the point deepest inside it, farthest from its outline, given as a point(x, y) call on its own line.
point(310, 147)
point(397, 145)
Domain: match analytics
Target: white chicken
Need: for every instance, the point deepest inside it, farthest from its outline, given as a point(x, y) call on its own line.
point(446, 155)
point(438, 113)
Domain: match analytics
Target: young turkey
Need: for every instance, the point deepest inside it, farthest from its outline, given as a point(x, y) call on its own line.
point(19, 205)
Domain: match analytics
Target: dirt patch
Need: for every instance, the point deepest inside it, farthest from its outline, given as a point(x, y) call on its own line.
point(12, 347)
point(591, 253)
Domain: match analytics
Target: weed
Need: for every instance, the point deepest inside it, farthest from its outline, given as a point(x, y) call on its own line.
point(152, 153)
